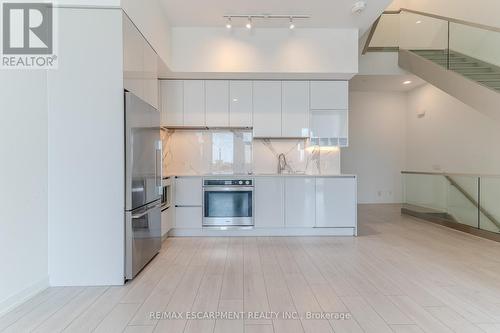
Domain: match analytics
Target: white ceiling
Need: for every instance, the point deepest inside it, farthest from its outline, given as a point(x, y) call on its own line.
point(324, 13)
point(384, 83)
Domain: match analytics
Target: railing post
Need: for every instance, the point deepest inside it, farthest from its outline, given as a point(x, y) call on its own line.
point(479, 202)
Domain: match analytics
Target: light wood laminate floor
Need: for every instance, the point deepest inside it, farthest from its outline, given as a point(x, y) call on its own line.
point(399, 275)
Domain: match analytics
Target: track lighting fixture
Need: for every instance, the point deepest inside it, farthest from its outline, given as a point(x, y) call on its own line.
point(250, 18)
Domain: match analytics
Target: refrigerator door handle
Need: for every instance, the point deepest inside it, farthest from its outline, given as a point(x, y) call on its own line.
point(159, 166)
point(146, 212)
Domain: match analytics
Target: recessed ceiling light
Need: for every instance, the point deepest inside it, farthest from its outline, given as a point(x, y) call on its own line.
point(418, 22)
point(229, 23)
point(407, 82)
point(292, 25)
point(249, 23)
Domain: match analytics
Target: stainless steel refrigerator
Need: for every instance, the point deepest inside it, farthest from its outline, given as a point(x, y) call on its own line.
point(143, 188)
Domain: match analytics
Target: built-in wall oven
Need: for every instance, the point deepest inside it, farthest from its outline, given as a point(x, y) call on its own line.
point(228, 202)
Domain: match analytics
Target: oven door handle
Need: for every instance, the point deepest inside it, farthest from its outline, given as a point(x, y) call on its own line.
point(228, 189)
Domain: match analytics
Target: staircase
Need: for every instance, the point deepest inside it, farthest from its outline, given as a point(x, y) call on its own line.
point(476, 70)
point(430, 51)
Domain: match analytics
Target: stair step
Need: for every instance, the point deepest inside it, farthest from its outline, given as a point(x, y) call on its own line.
point(489, 80)
point(446, 59)
point(444, 62)
point(481, 76)
point(473, 70)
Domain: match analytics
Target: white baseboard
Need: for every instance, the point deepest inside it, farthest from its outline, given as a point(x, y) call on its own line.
point(259, 232)
point(22, 296)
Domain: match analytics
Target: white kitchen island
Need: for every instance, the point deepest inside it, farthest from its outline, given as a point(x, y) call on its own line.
point(284, 205)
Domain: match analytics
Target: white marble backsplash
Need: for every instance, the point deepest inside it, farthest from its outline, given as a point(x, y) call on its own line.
point(207, 151)
point(301, 157)
point(197, 152)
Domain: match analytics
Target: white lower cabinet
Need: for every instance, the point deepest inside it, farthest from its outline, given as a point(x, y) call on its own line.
point(188, 217)
point(188, 202)
point(336, 202)
point(269, 202)
point(188, 191)
point(300, 202)
point(167, 220)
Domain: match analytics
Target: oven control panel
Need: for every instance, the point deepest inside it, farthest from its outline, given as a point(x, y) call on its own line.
point(228, 182)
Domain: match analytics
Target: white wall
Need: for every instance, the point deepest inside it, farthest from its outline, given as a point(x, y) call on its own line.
point(23, 183)
point(150, 18)
point(266, 50)
point(452, 136)
point(380, 63)
point(86, 153)
point(376, 151)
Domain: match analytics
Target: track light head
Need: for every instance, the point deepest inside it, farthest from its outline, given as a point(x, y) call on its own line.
point(249, 23)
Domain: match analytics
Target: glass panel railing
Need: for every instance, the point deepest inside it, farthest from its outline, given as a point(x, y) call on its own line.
point(425, 193)
point(469, 201)
point(476, 54)
point(423, 33)
point(481, 44)
point(386, 34)
point(490, 204)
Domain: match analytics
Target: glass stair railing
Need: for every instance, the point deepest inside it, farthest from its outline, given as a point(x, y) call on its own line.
point(468, 203)
point(469, 49)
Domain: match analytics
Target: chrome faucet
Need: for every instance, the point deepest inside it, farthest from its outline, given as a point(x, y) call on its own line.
point(282, 164)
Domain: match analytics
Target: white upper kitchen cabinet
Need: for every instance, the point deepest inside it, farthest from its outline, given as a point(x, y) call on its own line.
point(188, 191)
point(217, 103)
point(150, 61)
point(132, 58)
point(300, 202)
point(172, 102)
point(269, 199)
point(267, 109)
point(194, 103)
point(329, 95)
point(140, 64)
point(336, 202)
point(331, 125)
point(241, 104)
point(295, 110)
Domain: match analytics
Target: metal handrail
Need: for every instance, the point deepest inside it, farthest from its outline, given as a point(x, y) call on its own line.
point(370, 35)
point(450, 174)
point(439, 17)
